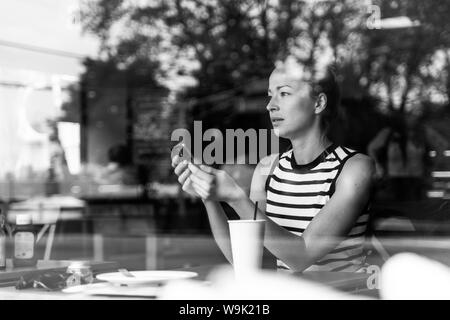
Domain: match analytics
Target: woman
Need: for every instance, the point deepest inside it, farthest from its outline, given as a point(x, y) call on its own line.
point(313, 197)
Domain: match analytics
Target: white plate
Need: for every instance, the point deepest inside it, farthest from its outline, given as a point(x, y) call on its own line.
point(145, 277)
point(106, 289)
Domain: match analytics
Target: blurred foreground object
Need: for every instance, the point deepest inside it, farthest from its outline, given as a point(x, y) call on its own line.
point(408, 276)
point(263, 285)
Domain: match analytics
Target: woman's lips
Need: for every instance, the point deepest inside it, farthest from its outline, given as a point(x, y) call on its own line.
point(276, 120)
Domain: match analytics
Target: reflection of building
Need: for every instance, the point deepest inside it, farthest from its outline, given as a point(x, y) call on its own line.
point(123, 110)
point(155, 119)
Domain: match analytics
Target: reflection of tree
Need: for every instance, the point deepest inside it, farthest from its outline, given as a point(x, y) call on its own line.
point(435, 14)
point(226, 42)
point(229, 42)
point(219, 47)
point(394, 60)
point(410, 64)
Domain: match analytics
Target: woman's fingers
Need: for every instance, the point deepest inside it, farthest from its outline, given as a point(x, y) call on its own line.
point(182, 177)
point(188, 188)
point(207, 169)
point(186, 184)
point(181, 167)
point(201, 182)
point(200, 173)
point(200, 191)
point(175, 161)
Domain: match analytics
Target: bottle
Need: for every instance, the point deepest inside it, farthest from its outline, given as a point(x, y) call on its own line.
point(3, 238)
point(79, 273)
point(24, 242)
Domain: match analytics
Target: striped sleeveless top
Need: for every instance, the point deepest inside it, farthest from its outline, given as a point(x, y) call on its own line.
point(296, 193)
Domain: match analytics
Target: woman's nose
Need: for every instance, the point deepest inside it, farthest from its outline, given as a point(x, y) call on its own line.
point(272, 105)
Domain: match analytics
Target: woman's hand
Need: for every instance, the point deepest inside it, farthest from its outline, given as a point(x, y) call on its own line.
point(183, 173)
point(213, 184)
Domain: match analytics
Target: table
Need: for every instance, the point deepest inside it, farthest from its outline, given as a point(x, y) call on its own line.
point(10, 275)
point(347, 282)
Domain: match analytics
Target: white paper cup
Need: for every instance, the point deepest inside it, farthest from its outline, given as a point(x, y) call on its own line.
point(247, 243)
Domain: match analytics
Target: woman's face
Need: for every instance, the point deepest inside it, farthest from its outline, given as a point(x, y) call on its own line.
point(291, 107)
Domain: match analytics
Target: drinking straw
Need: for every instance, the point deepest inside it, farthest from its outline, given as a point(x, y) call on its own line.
point(256, 209)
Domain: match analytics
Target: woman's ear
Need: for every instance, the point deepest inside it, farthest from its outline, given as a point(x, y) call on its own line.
point(321, 103)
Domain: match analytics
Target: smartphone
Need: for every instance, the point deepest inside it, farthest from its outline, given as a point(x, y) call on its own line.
point(183, 153)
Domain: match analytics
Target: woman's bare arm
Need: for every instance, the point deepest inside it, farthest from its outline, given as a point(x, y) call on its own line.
point(216, 216)
point(328, 228)
point(218, 222)
point(337, 217)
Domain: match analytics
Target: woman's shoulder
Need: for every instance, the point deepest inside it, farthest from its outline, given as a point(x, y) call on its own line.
point(344, 152)
point(353, 157)
point(266, 163)
point(269, 159)
point(359, 159)
point(358, 167)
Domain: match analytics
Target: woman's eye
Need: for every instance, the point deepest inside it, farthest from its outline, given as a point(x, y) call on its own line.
point(284, 94)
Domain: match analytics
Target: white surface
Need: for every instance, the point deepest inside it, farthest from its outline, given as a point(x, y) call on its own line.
point(145, 277)
point(46, 210)
point(51, 202)
point(23, 219)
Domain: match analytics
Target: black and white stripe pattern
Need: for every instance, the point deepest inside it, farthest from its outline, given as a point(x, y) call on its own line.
point(296, 193)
